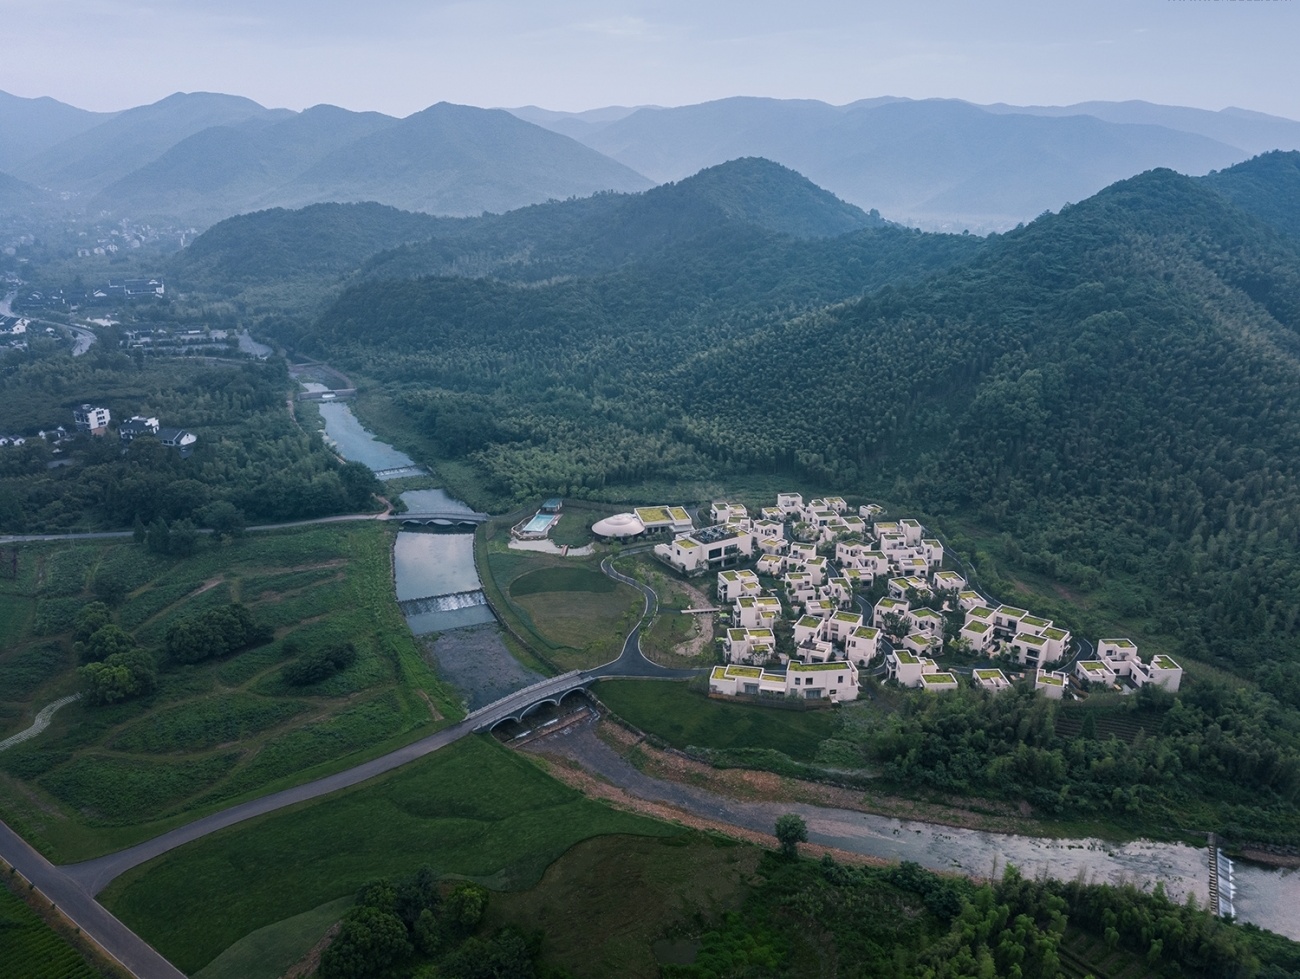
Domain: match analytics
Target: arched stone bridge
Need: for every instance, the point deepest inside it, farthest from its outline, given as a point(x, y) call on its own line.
point(440, 518)
point(516, 706)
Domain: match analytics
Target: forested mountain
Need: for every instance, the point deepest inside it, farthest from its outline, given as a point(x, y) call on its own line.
point(30, 126)
point(583, 235)
point(448, 159)
point(91, 160)
point(225, 170)
point(1267, 186)
point(321, 241)
point(1116, 386)
point(934, 162)
point(608, 230)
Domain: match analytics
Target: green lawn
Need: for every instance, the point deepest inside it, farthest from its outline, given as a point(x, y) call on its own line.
point(103, 777)
point(565, 609)
point(270, 952)
point(473, 809)
point(684, 717)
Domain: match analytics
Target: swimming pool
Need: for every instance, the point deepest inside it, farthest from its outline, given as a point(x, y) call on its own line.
point(540, 523)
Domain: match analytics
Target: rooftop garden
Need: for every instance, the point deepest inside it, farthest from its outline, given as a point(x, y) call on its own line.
point(938, 678)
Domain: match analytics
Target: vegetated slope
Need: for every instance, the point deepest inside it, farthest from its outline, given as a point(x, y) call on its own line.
point(323, 240)
point(225, 170)
point(570, 383)
point(932, 162)
point(95, 158)
point(607, 230)
point(29, 126)
point(1267, 186)
point(1117, 387)
point(17, 194)
point(459, 160)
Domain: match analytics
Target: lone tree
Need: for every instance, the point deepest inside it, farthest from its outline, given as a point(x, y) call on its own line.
point(791, 830)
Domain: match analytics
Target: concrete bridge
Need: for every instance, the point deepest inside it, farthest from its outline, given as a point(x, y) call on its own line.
point(440, 518)
point(514, 707)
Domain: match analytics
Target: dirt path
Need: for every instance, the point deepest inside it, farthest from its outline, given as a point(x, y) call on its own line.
point(43, 718)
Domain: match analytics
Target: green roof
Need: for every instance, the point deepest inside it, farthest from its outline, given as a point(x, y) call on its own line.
point(653, 514)
point(1035, 621)
point(1164, 663)
point(1048, 678)
point(816, 667)
point(981, 612)
point(905, 657)
point(980, 627)
point(989, 674)
point(1054, 634)
point(752, 672)
point(1093, 666)
point(1122, 643)
point(938, 678)
point(1013, 612)
point(846, 617)
point(809, 620)
point(866, 632)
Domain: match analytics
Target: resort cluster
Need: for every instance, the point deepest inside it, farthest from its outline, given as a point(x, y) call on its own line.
point(833, 558)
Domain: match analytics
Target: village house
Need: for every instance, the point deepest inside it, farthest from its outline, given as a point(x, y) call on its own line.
point(1051, 685)
point(741, 645)
point(994, 681)
point(707, 549)
point(886, 607)
point(862, 644)
point(758, 612)
point(735, 584)
point(91, 419)
point(809, 681)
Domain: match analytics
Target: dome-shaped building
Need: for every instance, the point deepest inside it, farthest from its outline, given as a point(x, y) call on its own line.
point(618, 527)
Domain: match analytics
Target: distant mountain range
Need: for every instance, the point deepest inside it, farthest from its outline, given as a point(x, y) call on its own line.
point(932, 163)
point(200, 157)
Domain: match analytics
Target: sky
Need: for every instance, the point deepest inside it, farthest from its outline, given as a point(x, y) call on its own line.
point(399, 56)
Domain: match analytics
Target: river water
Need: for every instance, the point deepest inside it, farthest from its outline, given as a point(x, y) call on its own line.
point(437, 583)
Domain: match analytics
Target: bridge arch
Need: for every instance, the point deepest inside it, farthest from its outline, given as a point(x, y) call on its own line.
point(556, 698)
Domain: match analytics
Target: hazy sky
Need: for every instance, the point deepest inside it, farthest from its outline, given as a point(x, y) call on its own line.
point(398, 56)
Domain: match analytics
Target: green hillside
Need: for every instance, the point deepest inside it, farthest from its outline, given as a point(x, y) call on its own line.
point(1115, 386)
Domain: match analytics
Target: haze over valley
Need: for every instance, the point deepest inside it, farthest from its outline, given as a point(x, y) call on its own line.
point(682, 534)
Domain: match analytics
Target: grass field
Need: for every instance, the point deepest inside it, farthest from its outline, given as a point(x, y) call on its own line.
point(270, 952)
point(686, 718)
point(604, 903)
point(564, 608)
point(106, 776)
point(473, 809)
point(31, 949)
point(673, 639)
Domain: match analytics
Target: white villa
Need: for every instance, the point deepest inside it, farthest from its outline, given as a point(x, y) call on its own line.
point(809, 681)
point(994, 681)
point(1051, 685)
point(1118, 658)
point(736, 584)
point(707, 549)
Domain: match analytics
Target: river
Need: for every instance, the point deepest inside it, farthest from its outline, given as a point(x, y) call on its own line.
point(439, 589)
point(438, 586)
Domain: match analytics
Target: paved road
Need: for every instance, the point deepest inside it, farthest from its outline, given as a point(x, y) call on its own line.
point(631, 661)
point(84, 911)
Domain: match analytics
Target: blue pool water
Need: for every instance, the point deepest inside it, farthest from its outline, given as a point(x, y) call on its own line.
point(540, 523)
